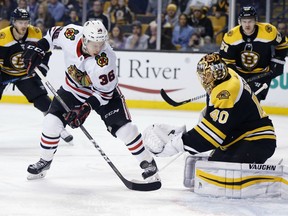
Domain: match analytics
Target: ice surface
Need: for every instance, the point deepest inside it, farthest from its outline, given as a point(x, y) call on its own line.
point(81, 183)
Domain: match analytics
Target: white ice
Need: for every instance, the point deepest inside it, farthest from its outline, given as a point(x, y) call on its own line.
point(81, 183)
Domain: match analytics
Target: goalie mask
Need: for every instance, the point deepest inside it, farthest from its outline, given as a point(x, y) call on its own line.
point(94, 37)
point(211, 70)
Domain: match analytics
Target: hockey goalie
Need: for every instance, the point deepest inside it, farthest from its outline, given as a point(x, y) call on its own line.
point(236, 132)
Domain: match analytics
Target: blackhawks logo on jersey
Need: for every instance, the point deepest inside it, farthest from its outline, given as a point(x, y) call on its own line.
point(70, 33)
point(102, 59)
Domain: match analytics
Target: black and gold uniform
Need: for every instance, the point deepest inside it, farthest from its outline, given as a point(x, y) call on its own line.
point(12, 69)
point(234, 124)
point(11, 50)
point(252, 55)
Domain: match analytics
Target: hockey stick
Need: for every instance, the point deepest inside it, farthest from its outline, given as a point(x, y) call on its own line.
point(5, 82)
point(138, 186)
point(174, 103)
point(256, 77)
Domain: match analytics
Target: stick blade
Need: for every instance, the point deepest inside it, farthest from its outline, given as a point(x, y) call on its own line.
point(168, 99)
point(143, 186)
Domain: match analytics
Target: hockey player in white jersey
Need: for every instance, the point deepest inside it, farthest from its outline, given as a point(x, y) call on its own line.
point(91, 83)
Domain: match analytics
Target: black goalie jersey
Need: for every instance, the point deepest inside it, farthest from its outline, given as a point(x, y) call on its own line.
point(11, 50)
point(233, 113)
point(250, 55)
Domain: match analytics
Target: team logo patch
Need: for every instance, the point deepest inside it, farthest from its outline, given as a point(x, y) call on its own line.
point(70, 33)
point(2, 35)
point(102, 59)
point(223, 95)
point(268, 28)
point(36, 29)
point(230, 33)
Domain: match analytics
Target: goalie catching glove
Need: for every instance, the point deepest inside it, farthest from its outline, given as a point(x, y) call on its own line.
point(77, 116)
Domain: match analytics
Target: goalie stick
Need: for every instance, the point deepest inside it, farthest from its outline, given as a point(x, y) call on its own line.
point(139, 185)
point(175, 103)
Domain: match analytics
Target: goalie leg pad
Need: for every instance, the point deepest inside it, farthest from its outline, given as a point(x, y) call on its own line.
point(189, 169)
point(236, 180)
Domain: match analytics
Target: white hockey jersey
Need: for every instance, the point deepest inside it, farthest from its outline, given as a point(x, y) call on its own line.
point(100, 69)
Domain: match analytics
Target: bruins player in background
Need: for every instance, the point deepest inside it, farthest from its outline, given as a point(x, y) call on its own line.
point(226, 127)
point(253, 49)
point(12, 70)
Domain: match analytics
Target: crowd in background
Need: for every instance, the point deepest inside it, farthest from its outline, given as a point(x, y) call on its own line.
point(187, 25)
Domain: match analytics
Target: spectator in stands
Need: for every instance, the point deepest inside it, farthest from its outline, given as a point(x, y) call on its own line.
point(138, 40)
point(183, 6)
point(208, 46)
point(138, 7)
point(200, 22)
point(44, 15)
point(123, 14)
point(6, 9)
point(282, 28)
point(171, 15)
point(182, 33)
point(221, 6)
point(73, 18)
point(40, 24)
point(111, 12)
point(195, 42)
point(152, 7)
point(33, 8)
point(166, 40)
point(57, 10)
point(117, 39)
point(23, 4)
point(96, 13)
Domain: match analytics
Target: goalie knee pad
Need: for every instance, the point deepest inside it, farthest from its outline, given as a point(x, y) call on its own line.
point(189, 169)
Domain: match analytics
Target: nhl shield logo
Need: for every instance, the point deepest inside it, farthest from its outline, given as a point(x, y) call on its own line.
point(102, 59)
point(70, 33)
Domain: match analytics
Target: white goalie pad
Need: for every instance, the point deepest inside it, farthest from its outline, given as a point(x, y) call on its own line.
point(236, 180)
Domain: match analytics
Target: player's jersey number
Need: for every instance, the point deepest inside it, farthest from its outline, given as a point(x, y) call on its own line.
point(106, 78)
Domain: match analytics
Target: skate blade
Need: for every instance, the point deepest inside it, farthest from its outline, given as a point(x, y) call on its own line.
point(36, 176)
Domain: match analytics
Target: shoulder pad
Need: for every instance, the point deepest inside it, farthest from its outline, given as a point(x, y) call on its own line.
point(233, 36)
point(266, 31)
point(5, 36)
point(34, 32)
point(226, 94)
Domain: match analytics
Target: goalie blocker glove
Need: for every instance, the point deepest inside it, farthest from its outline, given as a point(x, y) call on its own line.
point(277, 67)
point(34, 54)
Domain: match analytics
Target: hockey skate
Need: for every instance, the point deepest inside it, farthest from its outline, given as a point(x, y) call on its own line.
point(150, 171)
point(38, 170)
point(68, 138)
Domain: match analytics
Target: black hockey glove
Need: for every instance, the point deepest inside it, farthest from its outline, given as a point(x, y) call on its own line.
point(32, 56)
point(277, 67)
point(77, 116)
